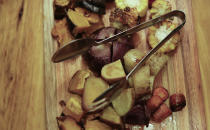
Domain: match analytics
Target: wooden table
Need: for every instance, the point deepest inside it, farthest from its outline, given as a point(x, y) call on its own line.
point(22, 100)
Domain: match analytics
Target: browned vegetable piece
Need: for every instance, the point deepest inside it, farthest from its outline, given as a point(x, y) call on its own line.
point(177, 102)
point(78, 81)
point(93, 28)
point(124, 102)
point(124, 17)
point(113, 72)
point(93, 116)
point(61, 3)
point(96, 125)
point(93, 7)
point(141, 81)
point(93, 88)
point(61, 32)
point(110, 116)
point(137, 116)
point(162, 113)
point(157, 62)
point(78, 19)
point(154, 102)
point(67, 123)
point(161, 92)
point(91, 17)
point(99, 56)
point(74, 107)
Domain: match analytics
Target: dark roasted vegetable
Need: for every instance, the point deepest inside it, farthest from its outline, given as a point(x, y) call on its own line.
point(177, 102)
point(137, 116)
point(92, 7)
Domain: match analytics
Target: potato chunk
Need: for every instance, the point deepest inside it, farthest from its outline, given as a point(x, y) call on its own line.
point(113, 72)
point(124, 102)
point(141, 81)
point(110, 116)
point(131, 58)
point(78, 81)
point(74, 107)
point(67, 123)
point(96, 125)
point(93, 88)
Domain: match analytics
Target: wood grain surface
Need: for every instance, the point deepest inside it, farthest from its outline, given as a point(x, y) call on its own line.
point(26, 73)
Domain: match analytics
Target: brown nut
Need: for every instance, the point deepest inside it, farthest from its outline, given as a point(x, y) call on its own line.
point(177, 102)
point(161, 92)
point(162, 113)
point(154, 102)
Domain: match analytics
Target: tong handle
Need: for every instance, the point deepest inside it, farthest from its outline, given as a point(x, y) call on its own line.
point(114, 87)
point(144, 25)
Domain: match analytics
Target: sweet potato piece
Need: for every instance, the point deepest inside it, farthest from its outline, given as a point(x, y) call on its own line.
point(93, 88)
point(161, 92)
point(141, 81)
point(124, 102)
point(61, 32)
point(74, 107)
point(61, 3)
point(96, 125)
point(131, 58)
point(78, 81)
point(77, 19)
point(67, 123)
point(110, 116)
point(162, 113)
point(154, 102)
point(91, 17)
point(113, 72)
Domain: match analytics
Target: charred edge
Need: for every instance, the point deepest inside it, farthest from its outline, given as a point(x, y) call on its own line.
point(20, 14)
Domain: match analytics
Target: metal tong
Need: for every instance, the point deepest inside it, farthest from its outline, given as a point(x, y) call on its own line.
point(115, 89)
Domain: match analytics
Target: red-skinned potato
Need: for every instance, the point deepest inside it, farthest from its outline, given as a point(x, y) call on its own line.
point(73, 107)
point(124, 102)
point(78, 81)
point(96, 125)
point(94, 86)
point(162, 113)
point(113, 72)
point(67, 123)
point(161, 92)
point(110, 116)
point(104, 33)
point(100, 56)
point(120, 47)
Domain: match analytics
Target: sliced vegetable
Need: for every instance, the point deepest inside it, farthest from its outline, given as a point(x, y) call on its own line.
point(67, 123)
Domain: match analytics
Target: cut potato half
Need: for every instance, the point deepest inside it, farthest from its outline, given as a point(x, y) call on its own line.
point(113, 72)
point(67, 123)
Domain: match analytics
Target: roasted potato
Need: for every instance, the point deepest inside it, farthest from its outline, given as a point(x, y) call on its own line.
point(96, 125)
point(131, 58)
point(67, 123)
point(124, 102)
point(94, 86)
point(113, 72)
point(73, 107)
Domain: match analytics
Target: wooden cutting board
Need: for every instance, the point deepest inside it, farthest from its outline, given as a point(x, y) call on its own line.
point(181, 74)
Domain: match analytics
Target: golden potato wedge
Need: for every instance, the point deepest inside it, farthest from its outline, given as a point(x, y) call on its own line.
point(78, 81)
point(73, 107)
point(94, 86)
point(67, 123)
point(110, 116)
point(113, 72)
point(124, 102)
point(141, 81)
point(131, 58)
point(96, 125)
